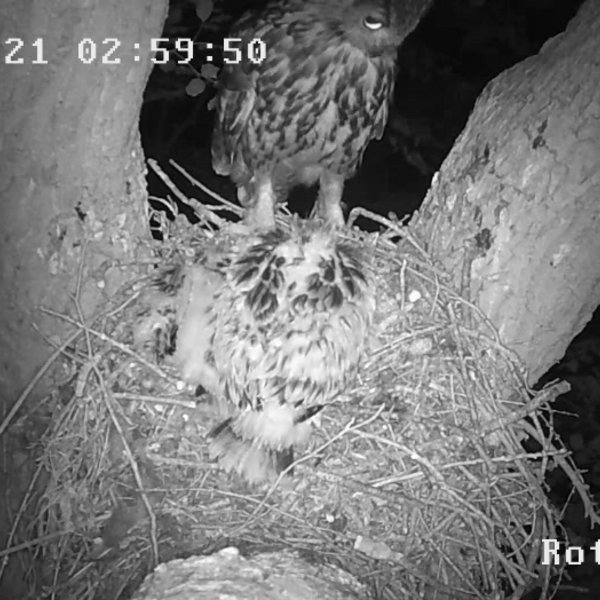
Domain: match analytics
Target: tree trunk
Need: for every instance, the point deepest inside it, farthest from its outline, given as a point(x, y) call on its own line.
point(268, 576)
point(71, 166)
point(514, 213)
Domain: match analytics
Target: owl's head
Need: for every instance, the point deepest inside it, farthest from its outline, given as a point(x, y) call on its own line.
point(375, 26)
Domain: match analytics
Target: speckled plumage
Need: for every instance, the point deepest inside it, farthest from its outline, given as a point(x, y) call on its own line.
point(276, 335)
point(308, 111)
point(290, 329)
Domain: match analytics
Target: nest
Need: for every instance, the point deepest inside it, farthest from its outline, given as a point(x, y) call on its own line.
point(426, 480)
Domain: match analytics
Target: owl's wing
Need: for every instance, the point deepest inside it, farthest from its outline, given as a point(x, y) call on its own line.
point(381, 116)
point(235, 101)
point(237, 89)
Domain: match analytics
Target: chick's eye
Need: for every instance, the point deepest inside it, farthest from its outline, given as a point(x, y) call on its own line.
point(372, 23)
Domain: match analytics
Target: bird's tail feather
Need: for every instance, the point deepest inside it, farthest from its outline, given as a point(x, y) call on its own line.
point(254, 462)
point(259, 445)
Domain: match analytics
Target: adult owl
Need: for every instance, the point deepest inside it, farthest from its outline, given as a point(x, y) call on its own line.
point(275, 332)
point(307, 111)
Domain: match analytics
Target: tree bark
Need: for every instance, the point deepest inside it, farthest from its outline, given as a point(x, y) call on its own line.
point(72, 171)
point(514, 212)
point(268, 576)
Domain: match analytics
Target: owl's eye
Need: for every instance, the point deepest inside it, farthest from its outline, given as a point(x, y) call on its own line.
point(372, 23)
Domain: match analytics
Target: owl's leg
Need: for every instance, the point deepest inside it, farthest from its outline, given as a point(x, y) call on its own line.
point(260, 212)
point(329, 201)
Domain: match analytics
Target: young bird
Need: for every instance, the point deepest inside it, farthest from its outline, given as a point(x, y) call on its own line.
point(291, 323)
point(275, 335)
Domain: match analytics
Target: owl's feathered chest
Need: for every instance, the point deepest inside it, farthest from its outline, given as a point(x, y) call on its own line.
point(308, 104)
point(291, 322)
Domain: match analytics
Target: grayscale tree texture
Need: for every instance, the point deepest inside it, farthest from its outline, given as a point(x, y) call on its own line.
point(514, 212)
point(266, 576)
point(71, 169)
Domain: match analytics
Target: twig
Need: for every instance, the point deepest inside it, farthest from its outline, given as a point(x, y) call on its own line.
point(234, 208)
point(36, 378)
point(108, 339)
point(154, 399)
point(348, 428)
point(203, 212)
point(133, 464)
